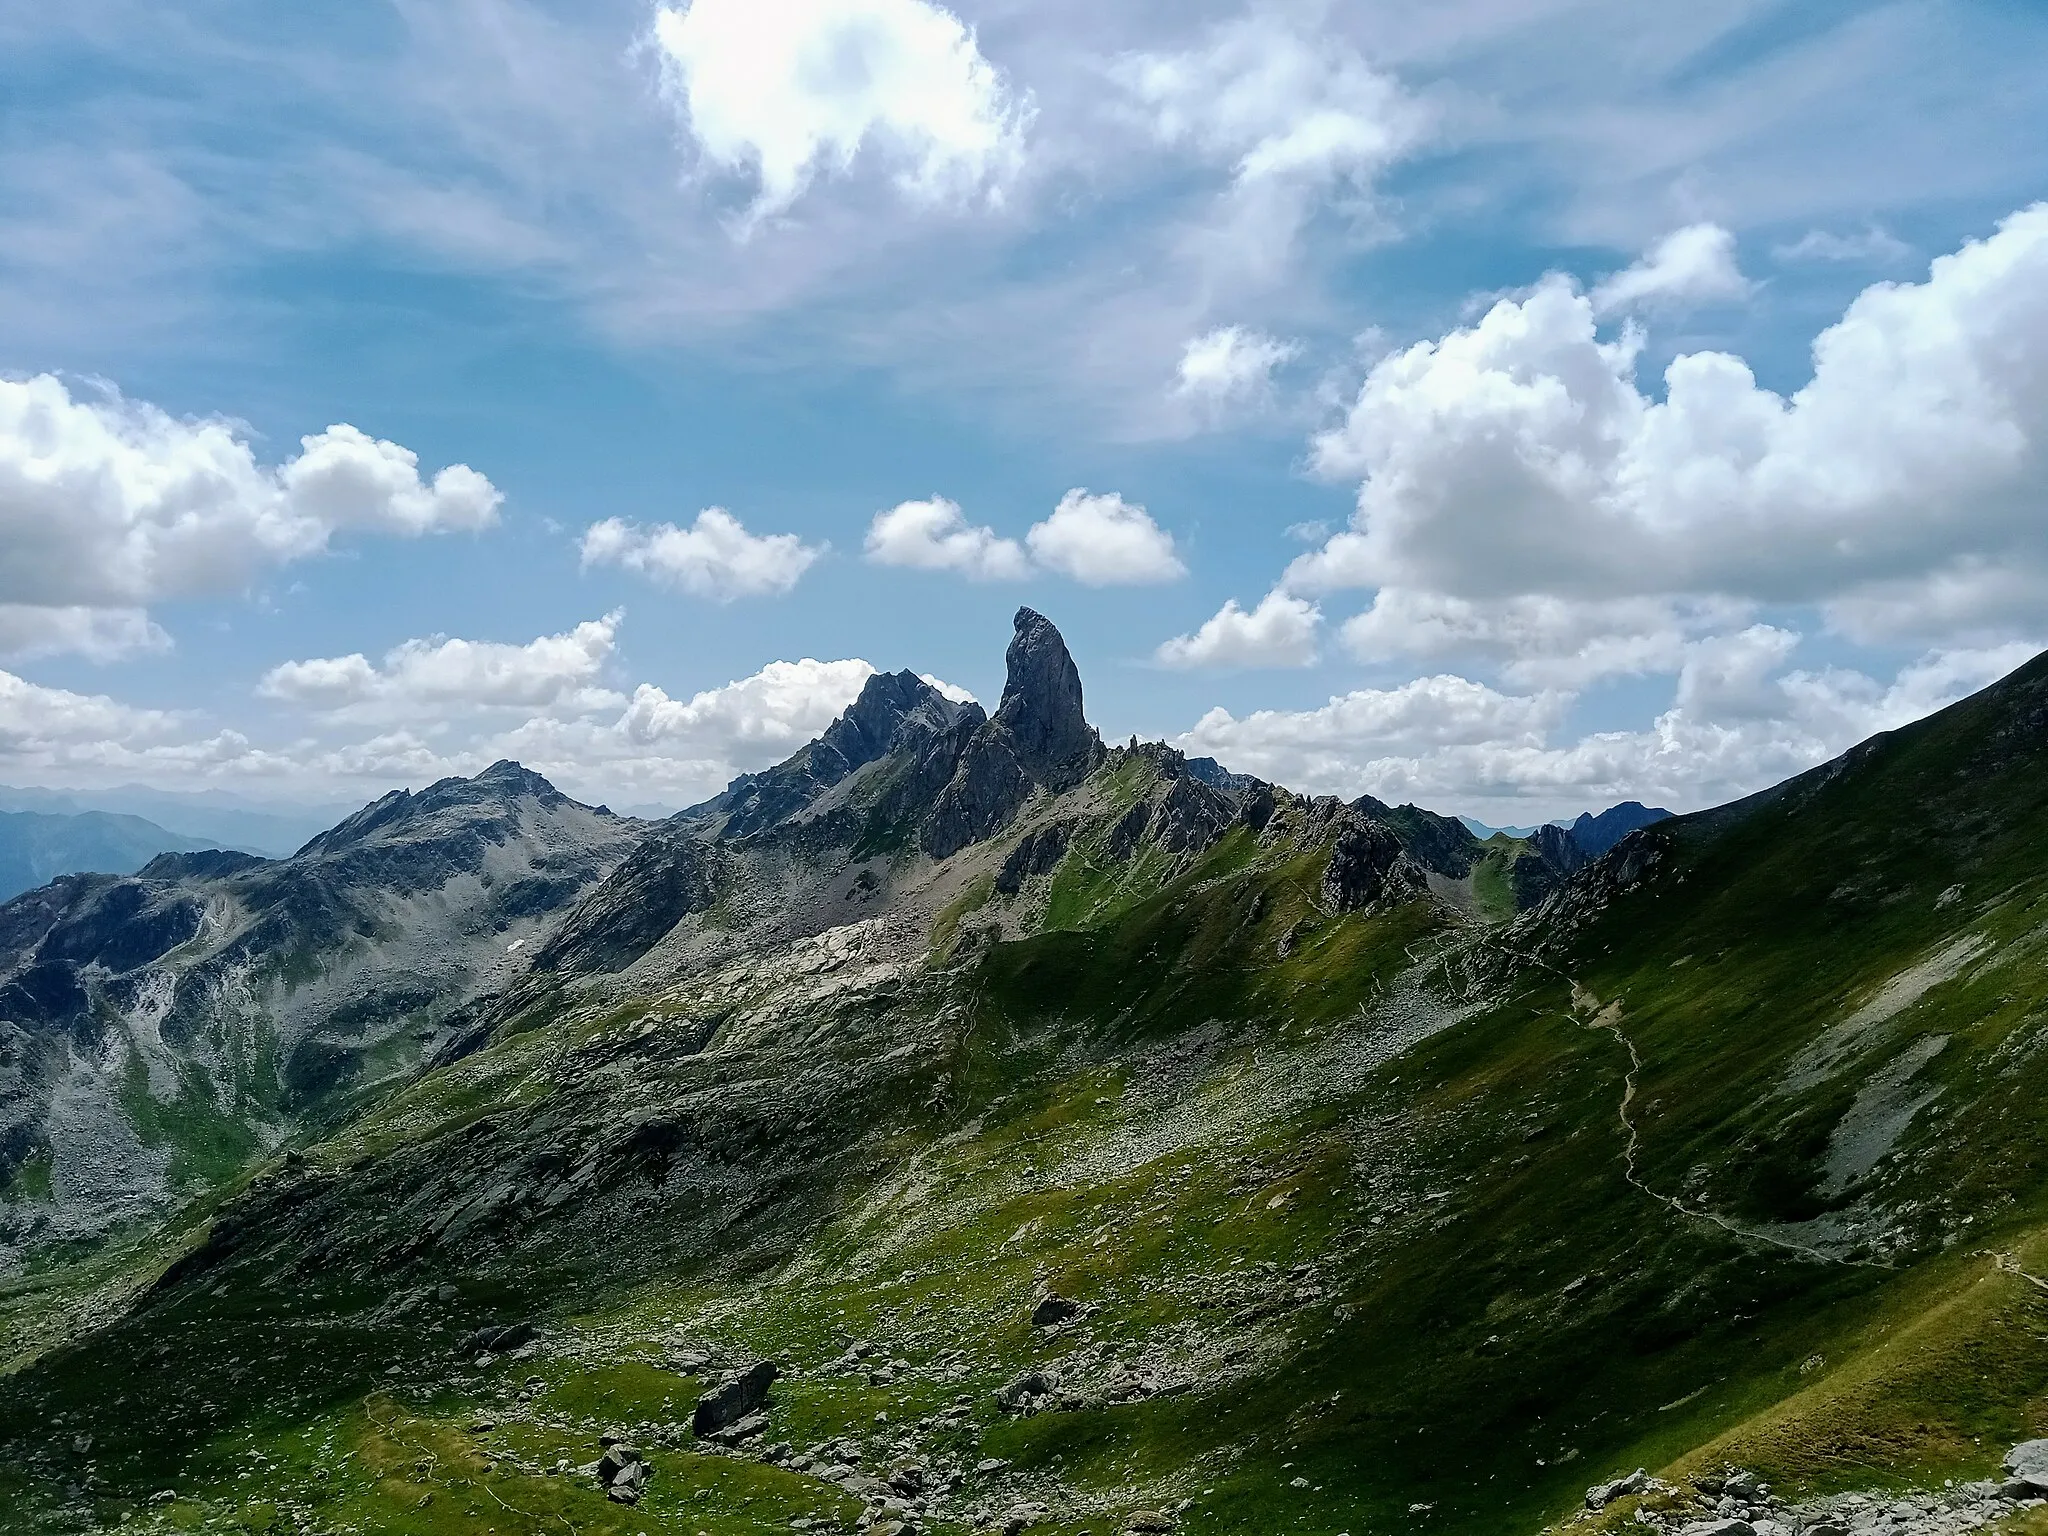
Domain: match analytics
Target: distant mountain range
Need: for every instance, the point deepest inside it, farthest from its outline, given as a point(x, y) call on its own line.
point(211, 818)
point(36, 847)
point(1594, 834)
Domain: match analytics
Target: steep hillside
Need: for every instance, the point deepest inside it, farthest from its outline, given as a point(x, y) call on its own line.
point(1096, 1141)
point(36, 847)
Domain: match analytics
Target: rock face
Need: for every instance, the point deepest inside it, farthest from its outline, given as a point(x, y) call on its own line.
point(1038, 737)
point(1041, 709)
point(664, 880)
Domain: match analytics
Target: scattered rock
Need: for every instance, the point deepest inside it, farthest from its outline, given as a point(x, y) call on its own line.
point(622, 1473)
point(1021, 1517)
point(497, 1339)
point(1719, 1528)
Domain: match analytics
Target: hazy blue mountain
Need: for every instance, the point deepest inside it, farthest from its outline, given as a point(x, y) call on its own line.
point(214, 818)
point(37, 846)
point(1597, 834)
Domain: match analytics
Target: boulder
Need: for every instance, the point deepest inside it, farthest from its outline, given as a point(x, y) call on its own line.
point(1054, 1309)
point(1149, 1522)
point(1719, 1528)
point(2027, 1463)
point(1600, 1495)
point(734, 1398)
point(1021, 1393)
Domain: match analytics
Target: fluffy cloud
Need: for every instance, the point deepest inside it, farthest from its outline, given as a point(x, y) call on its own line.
point(1280, 632)
point(428, 679)
point(1694, 265)
point(1537, 640)
point(1900, 488)
point(1275, 105)
point(1340, 747)
point(686, 749)
point(787, 88)
point(1738, 722)
point(37, 723)
point(1301, 120)
point(1230, 365)
point(1101, 541)
point(714, 557)
point(933, 536)
point(108, 505)
point(1104, 541)
point(433, 709)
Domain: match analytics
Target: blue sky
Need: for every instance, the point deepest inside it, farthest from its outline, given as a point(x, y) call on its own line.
point(1354, 317)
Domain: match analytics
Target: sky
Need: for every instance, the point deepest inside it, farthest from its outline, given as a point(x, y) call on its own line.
point(1513, 408)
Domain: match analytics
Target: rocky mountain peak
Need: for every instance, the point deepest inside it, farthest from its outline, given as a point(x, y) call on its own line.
point(1041, 710)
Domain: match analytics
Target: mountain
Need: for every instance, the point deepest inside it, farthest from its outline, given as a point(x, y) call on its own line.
point(965, 1126)
point(158, 1030)
point(1597, 834)
point(210, 818)
point(36, 847)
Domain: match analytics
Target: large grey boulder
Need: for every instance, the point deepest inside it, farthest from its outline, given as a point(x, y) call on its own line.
point(734, 1399)
point(2027, 1463)
point(1600, 1495)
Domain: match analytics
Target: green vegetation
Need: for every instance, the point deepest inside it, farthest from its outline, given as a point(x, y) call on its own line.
point(1388, 1221)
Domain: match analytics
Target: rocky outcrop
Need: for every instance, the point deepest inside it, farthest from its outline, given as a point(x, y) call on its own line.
point(1038, 737)
point(664, 880)
point(898, 715)
point(1365, 861)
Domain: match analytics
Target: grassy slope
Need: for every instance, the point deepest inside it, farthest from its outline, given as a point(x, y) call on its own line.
point(1160, 1116)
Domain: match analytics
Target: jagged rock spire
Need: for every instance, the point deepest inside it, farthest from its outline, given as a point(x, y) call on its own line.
point(1041, 706)
point(1038, 736)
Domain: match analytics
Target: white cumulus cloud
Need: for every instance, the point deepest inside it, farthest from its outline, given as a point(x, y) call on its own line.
point(714, 557)
point(98, 634)
point(1536, 639)
point(1104, 541)
point(1280, 632)
point(1230, 365)
point(786, 89)
point(1693, 265)
point(1901, 488)
point(108, 505)
point(426, 679)
point(934, 536)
